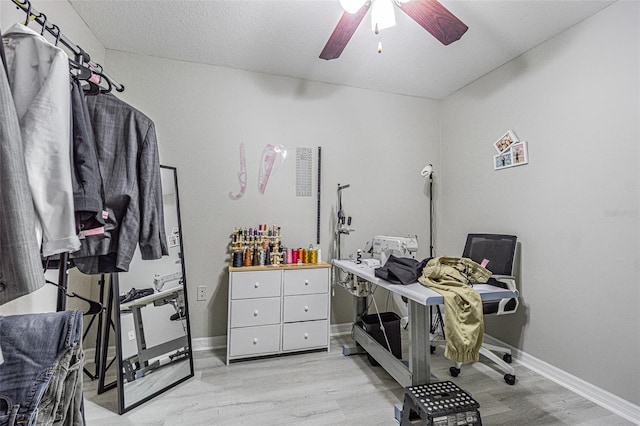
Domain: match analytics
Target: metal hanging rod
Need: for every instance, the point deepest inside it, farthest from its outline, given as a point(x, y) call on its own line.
point(54, 30)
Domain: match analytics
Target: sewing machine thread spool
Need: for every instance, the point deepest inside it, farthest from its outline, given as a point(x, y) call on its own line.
point(294, 256)
point(300, 254)
point(247, 257)
point(314, 256)
point(237, 259)
point(305, 256)
point(289, 256)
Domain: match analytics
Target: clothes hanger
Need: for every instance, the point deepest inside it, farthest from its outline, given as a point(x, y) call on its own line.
point(79, 71)
point(98, 72)
point(85, 73)
point(109, 85)
point(94, 307)
point(44, 24)
point(26, 22)
point(91, 89)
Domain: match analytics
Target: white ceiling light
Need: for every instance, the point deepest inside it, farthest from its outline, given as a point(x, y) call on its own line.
point(352, 6)
point(382, 15)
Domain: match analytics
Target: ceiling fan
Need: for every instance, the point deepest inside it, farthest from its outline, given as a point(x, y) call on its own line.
point(430, 14)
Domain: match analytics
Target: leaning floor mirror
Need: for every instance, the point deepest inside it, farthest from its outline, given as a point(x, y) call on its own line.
point(152, 315)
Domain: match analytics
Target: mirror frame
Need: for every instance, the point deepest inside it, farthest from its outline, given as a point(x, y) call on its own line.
point(115, 288)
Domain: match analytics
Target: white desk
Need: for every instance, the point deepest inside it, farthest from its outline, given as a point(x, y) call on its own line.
point(146, 353)
point(420, 297)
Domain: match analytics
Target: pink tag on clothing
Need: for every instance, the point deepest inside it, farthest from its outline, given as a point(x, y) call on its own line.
point(93, 231)
point(105, 214)
point(484, 263)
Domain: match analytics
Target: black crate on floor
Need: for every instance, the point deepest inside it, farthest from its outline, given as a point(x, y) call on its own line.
point(391, 322)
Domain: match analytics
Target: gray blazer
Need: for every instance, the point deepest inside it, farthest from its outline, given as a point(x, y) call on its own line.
point(20, 267)
point(128, 158)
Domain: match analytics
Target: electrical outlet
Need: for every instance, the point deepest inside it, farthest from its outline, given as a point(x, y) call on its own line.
point(132, 335)
point(202, 293)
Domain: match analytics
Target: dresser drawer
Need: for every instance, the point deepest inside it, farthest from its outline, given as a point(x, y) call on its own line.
point(304, 335)
point(247, 285)
point(252, 312)
point(251, 341)
point(306, 307)
point(306, 281)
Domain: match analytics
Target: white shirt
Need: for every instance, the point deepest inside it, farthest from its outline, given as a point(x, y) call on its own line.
point(39, 80)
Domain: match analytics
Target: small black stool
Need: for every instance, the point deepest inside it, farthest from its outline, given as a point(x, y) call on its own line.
point(439, 404)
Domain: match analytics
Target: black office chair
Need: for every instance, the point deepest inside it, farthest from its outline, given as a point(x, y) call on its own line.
point(498, 252)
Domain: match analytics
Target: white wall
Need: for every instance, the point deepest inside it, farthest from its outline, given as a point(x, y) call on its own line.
point(574, 208)
point(376, 142)
point(61, 13)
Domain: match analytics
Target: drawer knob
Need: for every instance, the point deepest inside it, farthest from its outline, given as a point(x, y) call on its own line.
point(256, 285)
point(255, 340)
point(306, 335)
point(255, 313)
point(306, 309)
point(306, 282)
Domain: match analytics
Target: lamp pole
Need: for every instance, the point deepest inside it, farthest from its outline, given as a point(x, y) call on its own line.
point(427, 171)
point(431, 215)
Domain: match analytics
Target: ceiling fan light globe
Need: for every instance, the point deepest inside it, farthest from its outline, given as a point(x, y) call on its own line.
point(352, 6)
point(382, 15)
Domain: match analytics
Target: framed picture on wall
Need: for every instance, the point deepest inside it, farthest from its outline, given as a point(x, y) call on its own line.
point(519, 153)
point(505, 141)
point(502, 161)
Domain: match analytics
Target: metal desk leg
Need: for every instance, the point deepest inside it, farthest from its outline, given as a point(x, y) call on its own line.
point(137, 321)
point(419, 353)
point(359, 307)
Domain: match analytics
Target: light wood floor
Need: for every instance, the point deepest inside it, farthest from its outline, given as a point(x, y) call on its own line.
point(321, 388)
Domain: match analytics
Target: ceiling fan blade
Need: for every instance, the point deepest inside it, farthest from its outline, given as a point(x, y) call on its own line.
point(435, 18)
point(347, 26)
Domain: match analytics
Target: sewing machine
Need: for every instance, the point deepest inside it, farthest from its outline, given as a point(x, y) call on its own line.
point(160, 280)
point(381, 247)
point(384, 246)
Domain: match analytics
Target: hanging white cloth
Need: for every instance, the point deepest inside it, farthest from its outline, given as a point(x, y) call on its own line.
point(20, 267)
point(39, 80)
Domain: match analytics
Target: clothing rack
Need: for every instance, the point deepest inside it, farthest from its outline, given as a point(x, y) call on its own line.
point(55, 31)
point(83, 59)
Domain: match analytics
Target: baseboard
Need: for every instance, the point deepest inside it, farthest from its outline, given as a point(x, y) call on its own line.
point(593, 393)
point(209, 343)
point(341, 329)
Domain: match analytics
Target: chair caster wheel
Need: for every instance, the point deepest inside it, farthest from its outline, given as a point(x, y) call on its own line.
point(433, 349)
point(454, 371)
point(507, 358)
point(510, 379)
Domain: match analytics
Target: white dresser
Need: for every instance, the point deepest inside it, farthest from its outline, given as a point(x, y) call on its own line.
point(275, 310)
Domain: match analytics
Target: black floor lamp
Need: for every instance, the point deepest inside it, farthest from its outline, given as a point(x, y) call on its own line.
point(427, 171)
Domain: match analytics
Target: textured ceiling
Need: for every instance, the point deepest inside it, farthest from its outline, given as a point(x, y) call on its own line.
point(285, 37)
